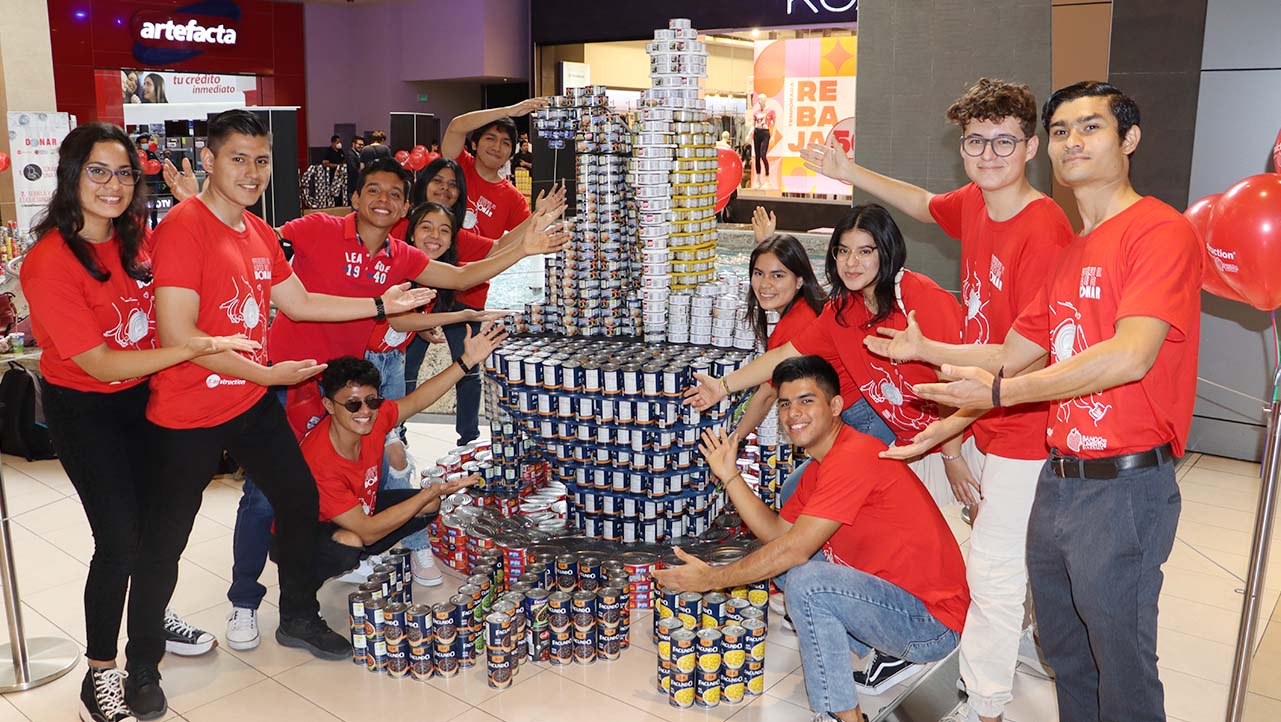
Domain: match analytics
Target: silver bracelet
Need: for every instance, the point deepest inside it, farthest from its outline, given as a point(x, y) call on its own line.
point(949, 458)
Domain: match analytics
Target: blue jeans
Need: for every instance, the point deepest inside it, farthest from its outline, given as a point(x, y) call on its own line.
point(414, 354)
point(859, 416)
point(391, 369)
point(467, 390)
point(1094, 553)
point(251, 540)
point(838, 609)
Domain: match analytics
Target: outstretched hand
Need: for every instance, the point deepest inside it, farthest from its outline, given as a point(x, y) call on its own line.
point(401, 298)
point(205, 345)
point(477, 348)
point(829, 159)
point(764, 223)
point(721, 452)
point(706, 393)
point(182, 185)
point(972, 388)
point(896, 345)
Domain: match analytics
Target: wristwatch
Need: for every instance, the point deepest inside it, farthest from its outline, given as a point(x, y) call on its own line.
point(381, 315)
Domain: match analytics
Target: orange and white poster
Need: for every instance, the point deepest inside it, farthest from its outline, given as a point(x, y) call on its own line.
point(809, 83)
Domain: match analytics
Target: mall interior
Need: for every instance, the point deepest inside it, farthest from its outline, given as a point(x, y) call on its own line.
point(669, 152)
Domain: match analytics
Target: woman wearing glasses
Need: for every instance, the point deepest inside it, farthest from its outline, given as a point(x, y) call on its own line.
point(87, 280)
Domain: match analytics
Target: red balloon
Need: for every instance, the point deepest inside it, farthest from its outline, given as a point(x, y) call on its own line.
point(729, 173)
point(1199, 214)
point(401, 156)
point(151, 167)
point(417, 161)
point(4, 161)
point(420, 149)
point(152, 146)
point(1245, 239)
point(142, 156)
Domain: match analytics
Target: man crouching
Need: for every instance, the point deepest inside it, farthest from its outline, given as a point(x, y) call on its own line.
point(862, 552)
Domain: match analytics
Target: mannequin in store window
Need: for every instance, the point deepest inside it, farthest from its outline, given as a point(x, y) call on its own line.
point(763, 129)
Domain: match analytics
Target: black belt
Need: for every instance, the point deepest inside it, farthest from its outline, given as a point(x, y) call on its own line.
point(1068, 467)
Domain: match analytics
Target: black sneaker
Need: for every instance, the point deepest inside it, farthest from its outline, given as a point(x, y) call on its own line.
point(102, 696)
point(143, 693)
point(183, 639)
point(883, 672)
point(313, 635)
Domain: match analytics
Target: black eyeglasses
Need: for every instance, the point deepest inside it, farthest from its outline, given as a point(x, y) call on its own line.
point(102, 175)
point(353, 405)
point(1002, 145)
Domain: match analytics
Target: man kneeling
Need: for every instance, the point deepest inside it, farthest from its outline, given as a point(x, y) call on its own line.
point(890, 574)
point(345, 454)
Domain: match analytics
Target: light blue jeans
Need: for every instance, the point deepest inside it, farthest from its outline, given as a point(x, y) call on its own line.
point(391, 366)
point(860, 416)
point(837, 610)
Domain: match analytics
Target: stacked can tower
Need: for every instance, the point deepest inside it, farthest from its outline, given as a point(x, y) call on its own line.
point(711, 646)
point(673, 170)
point(377, 615)
point(591, 286)
point(608, 417)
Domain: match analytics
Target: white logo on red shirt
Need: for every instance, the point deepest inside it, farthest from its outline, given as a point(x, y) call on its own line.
point(213, 381)
point(972, 295)
point(245, 310)
point(885, 392)
point(486, 206)
point(129, 331)
point(1066, 340)
point(1077, 441)
point(262, 269)
point(997, 273)
point(1090, 276)
point(371, 482)
point(394, 338)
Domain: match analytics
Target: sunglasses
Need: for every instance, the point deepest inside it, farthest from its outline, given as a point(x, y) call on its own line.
point(353, 405)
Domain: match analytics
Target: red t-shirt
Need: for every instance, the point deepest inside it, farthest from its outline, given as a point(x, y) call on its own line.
point(345, 484)
point(473, 246)
point(330, 258)
point(385, 338)
point(233, 271)
point(890, 527)
point(797, 318)
point(72, 313)
point(1003, 266)
point(885, 384)
point(1144, 261)
point(492, 208)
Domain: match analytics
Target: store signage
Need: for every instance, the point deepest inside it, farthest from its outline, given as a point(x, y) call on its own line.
point(165, 37)
point(819, 7)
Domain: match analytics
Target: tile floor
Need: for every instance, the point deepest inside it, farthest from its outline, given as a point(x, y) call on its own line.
point(1199, 610)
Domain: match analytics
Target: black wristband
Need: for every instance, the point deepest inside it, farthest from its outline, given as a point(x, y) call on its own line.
point(996, 388)
point(381, 314)
point(463, 365)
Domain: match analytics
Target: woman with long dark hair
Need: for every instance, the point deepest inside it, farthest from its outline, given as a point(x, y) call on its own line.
point(783, 281)
point(153, 89)
point(88, 282)
point(870, 289)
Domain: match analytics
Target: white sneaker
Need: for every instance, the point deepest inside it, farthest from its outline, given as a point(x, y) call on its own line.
point(242, 629)
point(426, 572)
point(360, 574)
point(1030, 659)
point(778, 603)
point(961, 713)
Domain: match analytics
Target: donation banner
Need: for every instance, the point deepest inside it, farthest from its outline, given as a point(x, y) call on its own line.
point(809, 83)
point(33, 147)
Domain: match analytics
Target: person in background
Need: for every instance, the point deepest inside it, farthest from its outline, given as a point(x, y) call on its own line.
point(334, 159)
point(1118, 322)
point(88, 284)
point(360, 515)
point(1010, 235)
point(129, 86)
point(525, 157)
point(783, 281)
point(376, 149)
point(494, 206)
point(863, 554)
point(352, 157)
